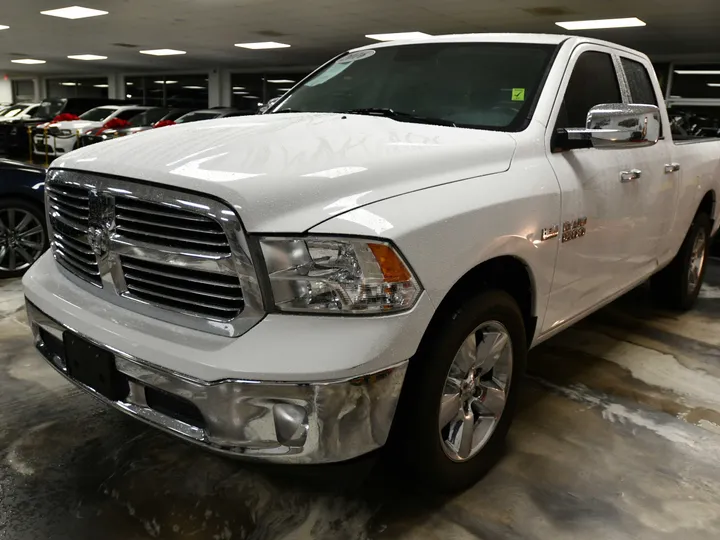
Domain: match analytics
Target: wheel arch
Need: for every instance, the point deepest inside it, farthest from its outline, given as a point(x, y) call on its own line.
point(508, 273)
point(708, 204)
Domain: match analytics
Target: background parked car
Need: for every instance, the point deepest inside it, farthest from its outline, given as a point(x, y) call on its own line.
point(14, 136)
point(62, 137)
point(23, 233)
point(12, 121)
point(209, 114)
point(142, 122)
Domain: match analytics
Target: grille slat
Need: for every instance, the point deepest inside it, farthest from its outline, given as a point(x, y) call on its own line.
point(74, 244)
point(156, 229)
point(71, 214)
point(195, 291)
point(206, 278)
point(81, 194)
point(176, 287)
point(132, 231)
point(157, 210)
point(78, 227)
point(193, 229)
point(59, 200)
point(184, 304)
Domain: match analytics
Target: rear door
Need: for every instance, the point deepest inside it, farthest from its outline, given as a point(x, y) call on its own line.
point(655, 191)
point(598, 225)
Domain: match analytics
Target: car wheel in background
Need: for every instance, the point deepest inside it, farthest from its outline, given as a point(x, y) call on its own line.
point(678, 284)
point(460, 392)
point(23, 236)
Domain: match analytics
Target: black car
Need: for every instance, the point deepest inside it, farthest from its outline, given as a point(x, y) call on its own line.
point(23, 233)
point(14, 136)
point(141, 122)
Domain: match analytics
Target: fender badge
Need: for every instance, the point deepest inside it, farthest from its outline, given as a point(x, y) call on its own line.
point(550, 232)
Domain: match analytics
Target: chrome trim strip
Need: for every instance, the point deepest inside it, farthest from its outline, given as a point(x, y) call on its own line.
point(105, 194)
point(338, 419)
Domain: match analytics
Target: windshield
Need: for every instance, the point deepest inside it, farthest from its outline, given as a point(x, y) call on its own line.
point(148, 118)
point(97, 115)
point(480, 85)
point(50, 108)
point(195, 116)
point(14, 111)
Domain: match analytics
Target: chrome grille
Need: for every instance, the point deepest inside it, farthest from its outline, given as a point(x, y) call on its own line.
point(204, 293)
point(69, 211)
point(162, 224)
point(172, 255)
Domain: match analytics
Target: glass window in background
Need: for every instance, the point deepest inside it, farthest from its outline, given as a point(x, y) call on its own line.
point(701, 81)
point(23, 90)
point(694, 122)
point(247, 91)
point(184, 91)
point(96, 87)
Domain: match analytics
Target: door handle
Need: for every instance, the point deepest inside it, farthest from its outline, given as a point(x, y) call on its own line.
point(630, 176)
point(671, 168)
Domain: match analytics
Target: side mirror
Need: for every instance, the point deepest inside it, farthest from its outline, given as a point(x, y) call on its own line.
point(616, 125)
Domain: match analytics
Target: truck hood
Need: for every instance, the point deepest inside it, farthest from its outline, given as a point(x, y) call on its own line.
point(289, 172)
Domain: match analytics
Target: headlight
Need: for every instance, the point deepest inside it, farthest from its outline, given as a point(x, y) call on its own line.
point(338, 275)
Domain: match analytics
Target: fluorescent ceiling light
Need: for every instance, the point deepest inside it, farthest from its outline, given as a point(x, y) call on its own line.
point(74, 12)
point(27, 61)
point(165, 82)
point(238, 88)
point(239, 93)
point(398, 35)
point(162, 52)
point(194, 87)
point(3, 27)
point(260, 104)
point(69, 83)
point(601, 23)
point(263, 45)
point(128, 96)
point(100, 85)
point(280, 81)
point(284, 89)
point(87, 57)
point(129, 83)
point(250, 97)
point(697, 71)
point(714, 84)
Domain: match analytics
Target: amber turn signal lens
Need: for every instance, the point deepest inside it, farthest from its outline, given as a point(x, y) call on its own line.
point(393, 269)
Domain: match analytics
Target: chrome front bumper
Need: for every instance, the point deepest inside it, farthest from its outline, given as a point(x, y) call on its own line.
point(309, 422)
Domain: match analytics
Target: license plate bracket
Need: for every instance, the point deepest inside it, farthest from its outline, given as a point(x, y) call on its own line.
point(94, 367)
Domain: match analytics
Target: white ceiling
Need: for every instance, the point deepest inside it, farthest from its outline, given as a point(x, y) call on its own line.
point(318, 29)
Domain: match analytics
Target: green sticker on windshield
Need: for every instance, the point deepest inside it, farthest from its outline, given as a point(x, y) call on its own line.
point(518, 94)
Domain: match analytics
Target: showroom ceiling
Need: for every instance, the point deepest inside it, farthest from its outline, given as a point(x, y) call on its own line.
point(316, 29)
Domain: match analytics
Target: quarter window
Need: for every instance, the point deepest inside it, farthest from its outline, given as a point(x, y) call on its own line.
point(641, 87)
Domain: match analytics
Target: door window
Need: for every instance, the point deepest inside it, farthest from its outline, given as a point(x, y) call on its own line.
point(593, 82)
point(641, 87)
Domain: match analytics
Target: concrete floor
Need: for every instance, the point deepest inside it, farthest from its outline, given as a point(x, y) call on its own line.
point(618, 436)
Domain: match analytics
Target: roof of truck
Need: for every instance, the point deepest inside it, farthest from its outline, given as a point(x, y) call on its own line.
point(547, 39)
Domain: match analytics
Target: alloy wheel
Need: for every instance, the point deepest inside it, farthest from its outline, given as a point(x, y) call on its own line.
point(697, 260)
point(22, 239)
point(475, 391)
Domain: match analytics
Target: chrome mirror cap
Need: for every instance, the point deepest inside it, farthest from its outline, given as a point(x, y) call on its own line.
point(619, 125)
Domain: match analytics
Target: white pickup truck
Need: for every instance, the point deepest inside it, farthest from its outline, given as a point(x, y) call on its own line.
point(369, 261)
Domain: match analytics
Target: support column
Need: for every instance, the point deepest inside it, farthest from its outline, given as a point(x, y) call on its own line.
point(219, 89)
point(116, 86)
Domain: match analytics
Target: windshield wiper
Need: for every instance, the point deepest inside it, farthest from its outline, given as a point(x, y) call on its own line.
point(401, 116)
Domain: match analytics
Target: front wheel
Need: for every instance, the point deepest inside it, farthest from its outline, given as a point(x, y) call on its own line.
point(460, 392)
point(677, 285)
point(23, 237)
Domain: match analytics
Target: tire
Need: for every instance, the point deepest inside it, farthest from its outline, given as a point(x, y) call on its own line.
point(675, 286)
point(20, 247)
point(417, 440)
